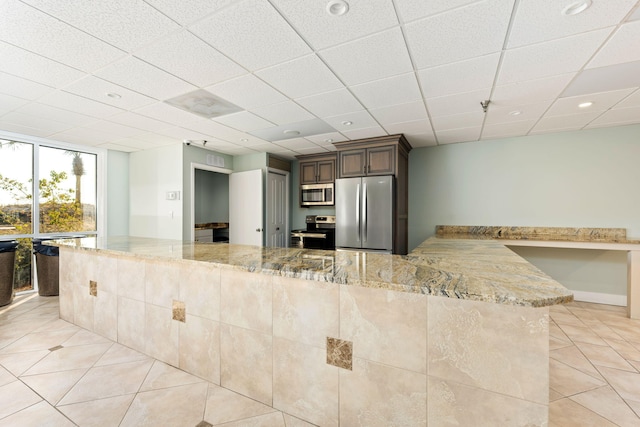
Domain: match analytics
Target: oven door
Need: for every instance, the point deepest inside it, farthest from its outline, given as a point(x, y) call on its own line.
point(309, 240)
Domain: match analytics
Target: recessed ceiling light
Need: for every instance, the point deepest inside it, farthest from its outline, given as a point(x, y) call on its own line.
point(576, 7)
point(515, 113)
point(585, 104)
point(244, 140)
point(337, 7)
point(328, 140)
point(347, 123)
point(290, 132)
point(114, 95)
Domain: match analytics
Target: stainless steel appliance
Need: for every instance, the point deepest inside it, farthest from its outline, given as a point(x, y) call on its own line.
point(316, 195)
point(319, 234)
point(364, 213)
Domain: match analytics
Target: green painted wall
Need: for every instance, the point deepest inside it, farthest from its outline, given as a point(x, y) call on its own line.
point(117, 193)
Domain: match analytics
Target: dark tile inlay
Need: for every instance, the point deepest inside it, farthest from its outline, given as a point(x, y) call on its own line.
point(179, 311)
point(340, 353)
point(58, 347)
point(93, 288)
point(203, 423)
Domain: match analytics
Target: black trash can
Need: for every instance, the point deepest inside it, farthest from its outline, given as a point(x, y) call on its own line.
point(47, 268)
point(7, 267)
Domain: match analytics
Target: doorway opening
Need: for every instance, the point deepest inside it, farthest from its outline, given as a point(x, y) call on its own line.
point(209, 203)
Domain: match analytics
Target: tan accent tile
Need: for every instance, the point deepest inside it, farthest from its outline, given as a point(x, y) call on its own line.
point(567, 413)
point(162, 375)
point(605, 402)
point(93, 288)
point(340, 353)
point(303, 384)
point(200, 289)
point(179, 312)
point(573, 357)
point(247, 300)
point(131, 323)
point(604, 356)
point(98, 413)
point(568, 381)
point(40, 414)
point(369, 317)
point(226, 406)
point(161, 334)
point(378, 395)
point(247, 363)
point(130, 278)
point(199, 351)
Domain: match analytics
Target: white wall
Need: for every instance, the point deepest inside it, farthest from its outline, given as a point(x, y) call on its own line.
point(117, 193)
point(151, 174)
point(586, 178)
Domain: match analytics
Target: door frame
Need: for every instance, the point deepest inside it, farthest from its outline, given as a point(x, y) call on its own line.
point(287, 198)
point(201, 166)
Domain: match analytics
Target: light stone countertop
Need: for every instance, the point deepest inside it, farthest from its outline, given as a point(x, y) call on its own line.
point(481, 270)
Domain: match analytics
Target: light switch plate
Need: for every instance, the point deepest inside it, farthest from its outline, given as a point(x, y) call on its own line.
point(173, 195)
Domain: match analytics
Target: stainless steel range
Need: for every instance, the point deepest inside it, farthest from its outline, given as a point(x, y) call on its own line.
point(319, 234)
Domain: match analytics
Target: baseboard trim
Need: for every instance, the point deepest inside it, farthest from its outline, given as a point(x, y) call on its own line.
point(599, 298)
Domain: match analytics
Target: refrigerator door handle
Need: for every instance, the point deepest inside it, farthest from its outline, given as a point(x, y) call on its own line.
point(358, 209)
point(365, 226)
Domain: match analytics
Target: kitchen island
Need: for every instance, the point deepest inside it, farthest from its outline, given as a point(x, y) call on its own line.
point(455, 333)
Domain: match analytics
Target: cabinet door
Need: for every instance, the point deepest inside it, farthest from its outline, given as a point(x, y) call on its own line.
point(352, 163)
point(381, 161)
point(326, 171)
point(308, 172)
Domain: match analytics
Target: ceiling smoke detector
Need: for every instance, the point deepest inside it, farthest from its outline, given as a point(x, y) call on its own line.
point(337, 7)
point(576, 7)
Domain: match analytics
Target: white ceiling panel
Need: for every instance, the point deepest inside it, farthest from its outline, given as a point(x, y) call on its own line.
point(601, 102)
point(295, 144)
point(458, 103)
point(410, 10)
point(421, 139)
point(71, 137)
point(516, 113)
point(10, 102)
point(244, 121)
point(25, 130)
point(331, 103)
point(301, 77)
point(635, 15)
point(364, 133)
point(562, 123)
point(530, 91)
point(458, 135)
point(35, 122)
point(542, 20)
point(186, 12)
point(375, 57)
point(79, 104)
point(137, 75)
point(616, 49)
point(605, 79)
point(136, 143)
point(186, 56)
point(156, 138)
point(475, 30)
point(180, 133)
point(283, 112)
point(168, 114)
point(33, 30)
point(22, 88)
point(30, 66)
point(253, 33)
point(458, 121)
point(210, 128)
point(139, 121)
point(79, 134)
point(247, 92)
point(97, 89)
point(464, 76)
point(351, 121)
point(550, 58)
point(325, 139)
point(617, 116)
point(125, 24)
point(400, 113)
point(115, 129)
point(117, 147)
point(56, 114)
point(412, 127)
point(632, 100)
point(505, 130)
point(311, 20)
point(390, 91)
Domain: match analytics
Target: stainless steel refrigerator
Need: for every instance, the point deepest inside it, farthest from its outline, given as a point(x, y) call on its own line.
point(364, 213)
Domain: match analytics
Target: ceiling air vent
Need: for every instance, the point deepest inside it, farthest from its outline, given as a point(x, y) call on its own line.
point(204, 104)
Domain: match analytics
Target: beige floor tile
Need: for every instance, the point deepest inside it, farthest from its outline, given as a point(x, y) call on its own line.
point(291, 421)
point(18, 363)
point(573, 357)
point(626, 384)
point(554, 395)
point(6, 377)
point(225, 406)
point(16, 396)
point(608, 404)
point(566, 319)
point(569, 381)
point(275, 419)
point(57, 325)
point(84, 337)
point(54, 385)
point(162, 375)
point(40, 414)
point(555, 343)
point(582, 334)
point(98, 413)
point(604, 356)
point(118, 353)
point(634, 405)
point(38, 341)
point(567, 413)
point(175, 406)
point(68, 358)
point(624, 349)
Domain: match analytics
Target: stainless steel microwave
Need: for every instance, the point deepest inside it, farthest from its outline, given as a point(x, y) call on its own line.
point(316, 195)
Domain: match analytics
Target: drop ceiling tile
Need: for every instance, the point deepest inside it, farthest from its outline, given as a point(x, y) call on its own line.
point(35, 31)
point(168, 114)
point(9, 102)
point(22, 88)
point(458, 103)
point(458, 135)
point(187, 12)
point(28, 65)
point(83, 135)
point(636, 15)
point(530, 91)
point(296, 144)
point(550, 58)
point(97, 89)
point(604, 79)
point(320, 29)
point(371, 132)
point(616, 49)
point(516, 113)
point(617, 116)
point(390, 91)
point(139, 121)
point(371, 58)
point(253, 33)
point(157, 138)
point(418, 140)
point(115, 129)
point(410, 128)
point(210, 128)
point(294, 130)
point(410, 10)
point(632, 101)
point(117, 147)
point(327, 138)
point(504, 130)
point(475, 30)
point(543, 20)
point(562, 123)
point(137, 75)
point(465, 76)
point(457, 121)
point(43, 125)
point(135, 143)
point(283, 112)
point(315, 150)
point(301, 77)
point(56, 114)
point(359, 120)
point(244, 121)
point(240, 151)
point(79, 104)
point(180, 133)
point(247, 92)
point(400, 113)
point(186, 56)
point(331, 103)
point(25, 130)
point(601, 102)
point(123, 23)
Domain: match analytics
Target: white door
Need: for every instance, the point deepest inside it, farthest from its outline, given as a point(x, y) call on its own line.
point(245, 208)
point(276, 230)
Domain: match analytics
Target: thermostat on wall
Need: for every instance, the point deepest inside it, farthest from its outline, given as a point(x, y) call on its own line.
point(173, 195)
